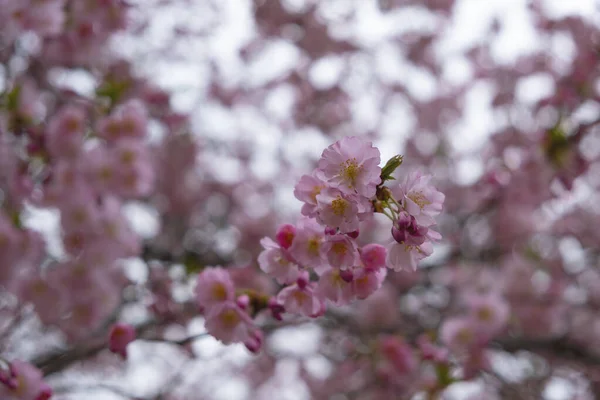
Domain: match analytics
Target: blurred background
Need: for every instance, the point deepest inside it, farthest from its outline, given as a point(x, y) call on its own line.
point(498, 99)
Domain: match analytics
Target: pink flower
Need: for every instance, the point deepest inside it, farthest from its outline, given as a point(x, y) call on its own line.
point(404, 256)
point(65, 132)
point(335, 288)
point(306, 190)
point(120, 336)
point(45, 293)
point(459, 334)
point(307, 248)
point(124, 169)
point(490, 313)
point(114, 237)
point(230, 324)
point(214, 286)
point(373, 256)
point(341, 251)
point(337, 210)
point(79, 211)
point(366, 282)
point(285, 235)
point(23, 381)
point(419, 198)
point(92, 296)
point(352, 166)
point(129, 120)
point(101, 171)
point(46, 18)
point(301, 299)
point(400, 356)
point(277, 262)
point(135, 174)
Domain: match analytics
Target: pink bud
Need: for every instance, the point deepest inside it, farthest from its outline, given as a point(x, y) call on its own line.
point(373, 256)
point(254, 343)
point(303, 279)
point(285, 235)
point(120, 336)
point(353, 234)
point(276, 308)
point(347, 275)
point(330, 231)
point(407, 230)
point(243, 301)
point(45, 393)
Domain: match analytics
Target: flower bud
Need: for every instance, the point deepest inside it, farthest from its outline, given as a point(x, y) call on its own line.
point(347, 275)
point(373, 256)
point(120, 336)
point(353, 234)
point(243, 301)
point(285, 235)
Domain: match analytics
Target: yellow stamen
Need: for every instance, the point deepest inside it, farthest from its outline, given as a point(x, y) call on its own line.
point(219, 292)
point(419, 199)
point(229, 319)
point(350, 171)
point(314, 245)
point(339, 206)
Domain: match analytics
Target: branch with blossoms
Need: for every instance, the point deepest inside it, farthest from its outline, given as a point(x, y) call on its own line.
point(321, 261)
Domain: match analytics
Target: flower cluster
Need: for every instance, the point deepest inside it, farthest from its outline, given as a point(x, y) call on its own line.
point(227, 315)
point(344, 190)
point(413, 206)
point(468, 335)
point(91, 171)
point(321, 259)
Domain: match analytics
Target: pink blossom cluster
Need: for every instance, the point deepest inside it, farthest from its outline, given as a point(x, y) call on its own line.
point(90, 171)
point(45, 18)
point(320, 258)
point(468, 336)
point(227, 314)
point(404, 367)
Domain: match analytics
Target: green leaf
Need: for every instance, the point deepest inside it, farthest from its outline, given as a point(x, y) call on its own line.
point(556, 145)
point(192, 264)
point(12, 98)
point(390, 167)
point(112, 89)
point(443, 375)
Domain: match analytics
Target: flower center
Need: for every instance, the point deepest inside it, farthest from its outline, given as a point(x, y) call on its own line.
point(314, 245)
point(339, 248)
point(464, 336)
point(300, 297)
point(339, 206)
point(419, 199)
point(485, 314)
point(219, 292)
point(316, 191)
point(350, 171)
point(72, 125)
point(229, 319)
point(127, 157)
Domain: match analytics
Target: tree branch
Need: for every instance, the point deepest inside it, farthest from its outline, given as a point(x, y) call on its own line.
point(560, 347)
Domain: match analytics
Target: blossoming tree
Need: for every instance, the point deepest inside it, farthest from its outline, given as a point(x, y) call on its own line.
point(132, 230)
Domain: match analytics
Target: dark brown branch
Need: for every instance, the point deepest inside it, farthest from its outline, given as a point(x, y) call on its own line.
point(560, 347)
point(53, 362)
